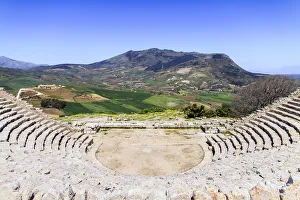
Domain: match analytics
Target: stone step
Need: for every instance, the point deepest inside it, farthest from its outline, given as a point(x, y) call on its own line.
point(69, 141)
point(70, 150)
point(275, 139)
point(57, 140)
point(289, 121)
point(259, 143)
point(75, 137)
point(292, 133)
point(5, 102)
point(292, 106)
point(296, 99)
point(5, 110)
point(244, 145)
point(5, 134)
point(87, 145)
point(8, 120)
point(11, 105)
point(79, 148)
point(13, 139)
point(236, 145)
point(18, 108)
point(247, 138)
point(230, 148)
point(32, 139)
point(266, 139)
point(285, 139)
point(49, 140)
point(284, 114)
point(223, 149)
point(293, 112)
point(41, 139)
point(215, 148)
point(288, 118)
point(294, 103)
point(8, 114)
point(64, 142)
point(86, 136)
point(25, 134)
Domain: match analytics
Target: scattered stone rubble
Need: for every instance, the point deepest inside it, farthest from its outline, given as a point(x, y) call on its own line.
point(257, 158)
point(205, 126)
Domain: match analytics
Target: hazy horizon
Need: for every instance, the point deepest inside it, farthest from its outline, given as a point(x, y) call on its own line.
point(259, 36)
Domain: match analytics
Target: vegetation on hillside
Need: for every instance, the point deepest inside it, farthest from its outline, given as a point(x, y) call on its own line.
point(196, 111)
point(262, 93)
point(53, 103)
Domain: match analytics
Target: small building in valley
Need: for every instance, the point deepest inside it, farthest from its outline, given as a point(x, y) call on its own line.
point(48, 87)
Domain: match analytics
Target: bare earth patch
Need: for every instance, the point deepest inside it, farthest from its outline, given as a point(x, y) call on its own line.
point(89, 98)
point(62, 93)
point(185, 70)
point(53, 112)
point(150, 152)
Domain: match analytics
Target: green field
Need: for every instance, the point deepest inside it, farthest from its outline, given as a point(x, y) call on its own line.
point(122, 102)
point(119, 101)
point(215, 97)
point(18, 83)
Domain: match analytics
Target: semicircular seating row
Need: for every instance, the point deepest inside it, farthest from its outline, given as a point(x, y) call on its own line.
point(277, 126)
point(29, 128)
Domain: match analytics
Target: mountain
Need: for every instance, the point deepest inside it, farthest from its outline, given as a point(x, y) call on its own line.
point(156, 69)
point(10, 63)
point(144, 58)
point(294, 76)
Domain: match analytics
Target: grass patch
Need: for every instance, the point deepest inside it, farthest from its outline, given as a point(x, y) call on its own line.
point(73, 108)
point(17, 83)
point(216, 97)
point(165, 101)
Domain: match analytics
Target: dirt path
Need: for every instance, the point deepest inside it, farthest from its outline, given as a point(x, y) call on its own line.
point(149, 152)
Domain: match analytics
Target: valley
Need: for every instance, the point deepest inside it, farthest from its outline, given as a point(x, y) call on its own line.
point(93, 101)
point(134, 81)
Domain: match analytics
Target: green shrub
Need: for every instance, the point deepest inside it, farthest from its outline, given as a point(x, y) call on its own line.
point(194, 111)
point(210, 113)
point(223, 112)
point(152, 110)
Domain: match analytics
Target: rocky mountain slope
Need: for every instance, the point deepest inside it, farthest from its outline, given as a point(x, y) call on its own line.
point(10, 63)
point(159, 69)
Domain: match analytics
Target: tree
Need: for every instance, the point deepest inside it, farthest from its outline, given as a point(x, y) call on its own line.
point(223, 111)
point(262, 93)
point(53, 103)
point(193, 111)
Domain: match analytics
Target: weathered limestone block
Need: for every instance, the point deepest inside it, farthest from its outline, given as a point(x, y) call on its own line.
point(141, 193)
point(264, 192)
point(215, 193)
point(157, 194)
point(10, 191)
point(238, 194)
point(292, 190)
point(200, 194)
point(29, 193)
point(179, 192)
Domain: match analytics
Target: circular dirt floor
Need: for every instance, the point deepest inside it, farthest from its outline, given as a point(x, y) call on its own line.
point(151, 152)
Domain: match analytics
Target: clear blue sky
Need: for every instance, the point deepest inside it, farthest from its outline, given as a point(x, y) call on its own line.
point(260, 35)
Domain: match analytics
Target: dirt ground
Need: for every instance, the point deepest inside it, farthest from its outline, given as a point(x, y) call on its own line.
point(89, 98)
point(150, 152)
point(53, 112)
point(68, 95)
point(63, 93)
